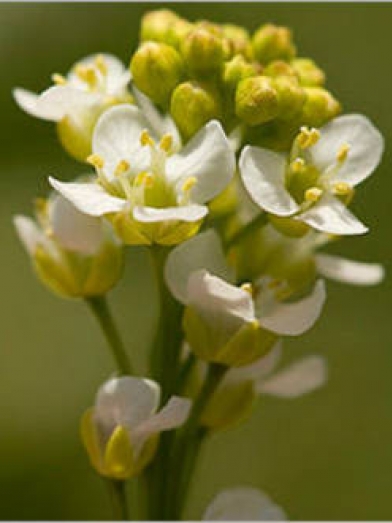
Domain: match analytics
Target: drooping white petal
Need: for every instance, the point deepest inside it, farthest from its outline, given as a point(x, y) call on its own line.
point(89, 198)
point(117, 137)
point(349, 271)
point(243, 504)
point(366, 147)
point(74, 230)
point(62, 100)
point(263, 174)
point(185, 213)
point(126, 401)
point(207, 157)
point(29, 102)
point(332, 216)
point(203, 251)
point(29, 233)
point(302, 377)
point(225, 306)
point(258, 370)
point(290, 319)
point(159, 123)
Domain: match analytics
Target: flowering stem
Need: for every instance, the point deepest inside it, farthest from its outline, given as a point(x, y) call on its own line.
point(187, 444)
point(119, 499)
point(249, 228)
point(100, 309)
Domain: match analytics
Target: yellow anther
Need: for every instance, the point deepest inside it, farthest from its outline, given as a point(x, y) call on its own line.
point(95, 160)
point(59, 79)
point(101, 64)
point(314, 137)
point(86, 74)
point(166, 143)
point(342, 189)
point(297, 165)
point(121, 168)
point(145, 138)
point(342, 153)
point(313, 194)
point(144, 178)
point(307, 137)
point(247, 287)
point(189, 183)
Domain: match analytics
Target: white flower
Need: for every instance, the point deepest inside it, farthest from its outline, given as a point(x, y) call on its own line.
point(120, 431)
point(144, 181)
point(197, 274)
point(243, 504)
point(60, 238)
point(317, 179)
point(94, 81)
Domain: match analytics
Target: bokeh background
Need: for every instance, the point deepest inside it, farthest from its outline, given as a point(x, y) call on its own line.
point(325, 456)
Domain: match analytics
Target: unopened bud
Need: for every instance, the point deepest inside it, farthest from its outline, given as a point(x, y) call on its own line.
point(238, 38)
point(279, 68)
point(156, 69)
point(192, 106)
point(155, 25)
point(235, 70)
point(271, 42)
point(320, 107)
point(256, 100)
point(309, 74)
point(291, 97)
point(203, 52)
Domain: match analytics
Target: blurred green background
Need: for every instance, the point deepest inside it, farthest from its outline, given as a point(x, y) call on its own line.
point(325, 456)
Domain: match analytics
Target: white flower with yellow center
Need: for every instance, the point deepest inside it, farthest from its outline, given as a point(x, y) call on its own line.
point(243, 504)
point(316, 181)
point(151, 191)
point(120, 432)
point(75, 101)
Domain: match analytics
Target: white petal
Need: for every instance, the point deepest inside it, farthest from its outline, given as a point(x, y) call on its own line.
point(74, 230)
point(29, 102)
point(300, 378)
point(243, 504)
point(349, 271)
point(160, 123)
point(209, 158)
point(225, 306)
point(203, 251)
point(29, 233)
point(332, 216)
point(263, 174)
point(235, 138)
point(290, 319)
point(62, 100)
point(366, 147)
point(126, 401)
point(89, 198)
point(258, 370)
point(185, 213)
point(117, 137)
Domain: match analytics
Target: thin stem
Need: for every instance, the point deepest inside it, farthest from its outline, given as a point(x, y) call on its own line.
point(118, 499)
point(249, 228)
point(184, 372)
point(100, 309)
point(187, 440)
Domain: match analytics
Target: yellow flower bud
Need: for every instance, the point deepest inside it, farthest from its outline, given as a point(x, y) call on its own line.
point(235, 70)
point(291, 97)
point(155, 25)
point(238, 38)
point(156, 69)
point(271, 42)
point(256, 100)
point(310, 75)
point(320, 107)
point(203, 52)
point(192, 105)
point(280, 68)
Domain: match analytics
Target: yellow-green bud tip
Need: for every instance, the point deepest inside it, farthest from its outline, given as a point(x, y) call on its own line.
point(256, 100)
point(271, 42)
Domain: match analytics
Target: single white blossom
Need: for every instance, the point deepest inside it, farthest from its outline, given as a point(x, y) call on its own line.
point(243, 504)
point(316, 180)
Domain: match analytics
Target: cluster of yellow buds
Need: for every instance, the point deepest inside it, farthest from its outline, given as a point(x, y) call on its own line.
point(200, 71)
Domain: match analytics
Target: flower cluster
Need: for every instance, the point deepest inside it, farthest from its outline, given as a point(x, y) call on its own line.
point(224, 156)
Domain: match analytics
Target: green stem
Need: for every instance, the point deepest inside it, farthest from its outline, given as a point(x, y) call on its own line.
point(249, 228)
point(189, 440)
point(118, 499)
point(100, 309)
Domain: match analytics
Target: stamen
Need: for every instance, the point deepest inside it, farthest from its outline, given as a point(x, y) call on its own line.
point(189, 183)
point(297, 165)
point(342, 153)
point(247, 287)
point(101, 64)
point(144, 178)
point(121, 168)
point(342, 189)
point(96, 161)
point(86, 74)
point(313, 194)
point(145, 139)
point(307, 137)
point(166, 143)
point(314, 137)
point(58, 79)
